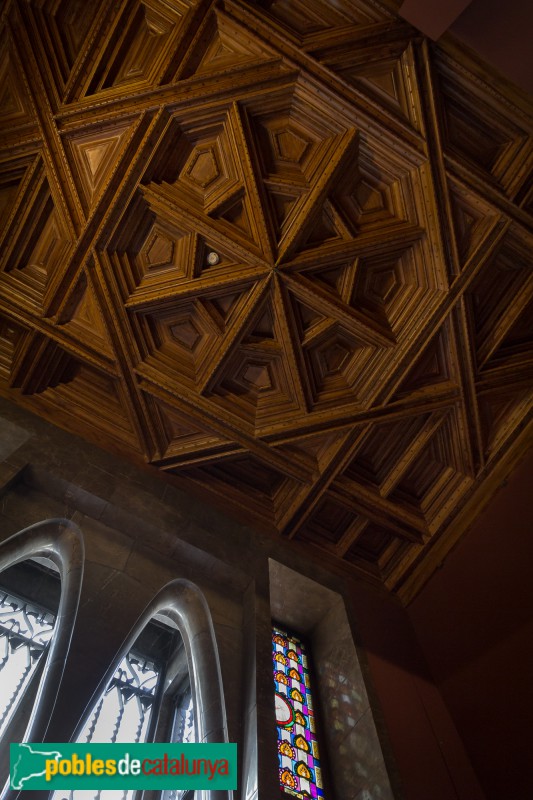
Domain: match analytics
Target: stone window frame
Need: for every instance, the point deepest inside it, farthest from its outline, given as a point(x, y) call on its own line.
point(312, 610)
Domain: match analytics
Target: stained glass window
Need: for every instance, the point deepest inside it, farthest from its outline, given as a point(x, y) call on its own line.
point(299, 762)
point(25, 632)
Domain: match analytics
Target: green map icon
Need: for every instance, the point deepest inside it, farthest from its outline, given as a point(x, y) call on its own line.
point(30, 764)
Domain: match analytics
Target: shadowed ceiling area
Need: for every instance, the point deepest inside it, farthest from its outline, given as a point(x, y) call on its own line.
point(280, 251)
point(498, 32)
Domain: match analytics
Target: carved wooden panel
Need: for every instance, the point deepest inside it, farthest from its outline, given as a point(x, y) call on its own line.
point(278, 250)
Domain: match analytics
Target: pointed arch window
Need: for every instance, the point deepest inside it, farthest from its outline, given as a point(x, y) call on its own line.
point(177, 719)
point(300, 771)
point(36, 632)
point(165, 686)
point(148, 697)
point(126, 708)
point(35, 628)
point(123, 712)
point(25, 633)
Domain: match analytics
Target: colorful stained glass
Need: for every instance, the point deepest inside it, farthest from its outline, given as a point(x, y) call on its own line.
point(299, 763)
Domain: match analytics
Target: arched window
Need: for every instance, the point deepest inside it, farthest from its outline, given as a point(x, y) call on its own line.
point(124, 710)
point(320, 616)
point(164, 685)
point(43, 637)
point(26, 629)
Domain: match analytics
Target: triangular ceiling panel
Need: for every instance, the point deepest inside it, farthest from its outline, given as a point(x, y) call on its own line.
point(438, 475)
point(472, 220)
point(95, 156)
point(213, 259)
point(181, 442)
point(99, 400)
point(375, 549)
point(517, 343)
point(66, 27)
point(332, 526)
point(502, 412)
point(85, 319)
point(506, 277)
point(11, 337)
point(337, 279)
point(391, 79)
point(222, 45)
point(15, 174)
point(255, 382)
point(382, 449)
point(318, 451)
point(237, 213)
point(43, 365)
point(327, 228)
point(15, 104)
point(303, 19)
point(45, 257)
point(433, 367)
point(8, 193)
point(73, 20)
point(481, 130)
point(281, 202)
point(146, 37)
point(310, 322)
point(46, 246)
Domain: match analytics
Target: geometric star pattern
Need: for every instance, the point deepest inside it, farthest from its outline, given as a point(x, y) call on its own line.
point(278, 258)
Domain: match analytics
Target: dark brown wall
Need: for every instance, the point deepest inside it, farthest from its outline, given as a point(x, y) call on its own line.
point(501, 34)
point(474, 621)
point(430, 757)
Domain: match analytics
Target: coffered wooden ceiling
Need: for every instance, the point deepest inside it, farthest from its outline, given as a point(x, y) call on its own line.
point(279, 250)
